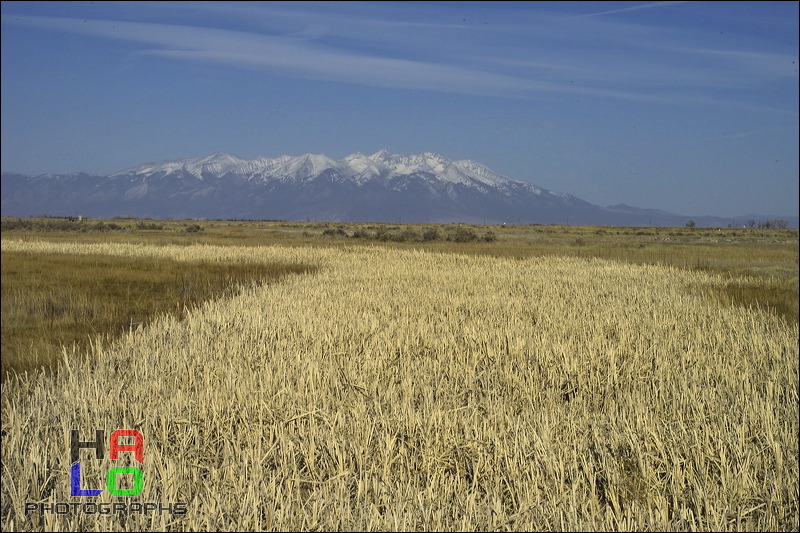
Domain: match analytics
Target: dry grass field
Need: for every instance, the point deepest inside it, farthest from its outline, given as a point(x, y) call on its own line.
point(56, 300)
point(540, 379)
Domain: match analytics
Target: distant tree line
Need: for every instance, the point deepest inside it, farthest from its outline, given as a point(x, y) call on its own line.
point(457, 234)
point(78, 224)
point(776, 223)
point(59, 224)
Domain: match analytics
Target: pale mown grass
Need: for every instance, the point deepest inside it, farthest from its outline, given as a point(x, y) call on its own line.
point(401, 389)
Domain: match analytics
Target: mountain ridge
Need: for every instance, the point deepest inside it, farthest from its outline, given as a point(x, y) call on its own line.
point(381, 187)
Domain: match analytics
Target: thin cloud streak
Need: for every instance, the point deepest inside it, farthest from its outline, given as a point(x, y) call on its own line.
point(672, 77)
point(768, 65)
point(299, 58)
point(652, 5)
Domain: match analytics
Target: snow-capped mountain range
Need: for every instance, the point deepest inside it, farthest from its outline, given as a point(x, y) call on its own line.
point(357, 168)
point(381, 187)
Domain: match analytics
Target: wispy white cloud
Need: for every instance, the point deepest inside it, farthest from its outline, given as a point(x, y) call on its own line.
point(303, 59)
point(751, 64)
point(547, 56)
point(651, 5)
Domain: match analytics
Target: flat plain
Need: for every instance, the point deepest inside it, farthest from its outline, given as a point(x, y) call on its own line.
point(306, 376)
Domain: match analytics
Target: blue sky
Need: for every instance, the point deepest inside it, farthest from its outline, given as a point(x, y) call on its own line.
point(691, 107)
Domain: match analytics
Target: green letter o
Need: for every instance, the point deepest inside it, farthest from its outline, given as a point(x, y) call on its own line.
point(138, 481)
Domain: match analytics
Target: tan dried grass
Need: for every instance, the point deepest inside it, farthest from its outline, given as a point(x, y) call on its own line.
point(414, 390)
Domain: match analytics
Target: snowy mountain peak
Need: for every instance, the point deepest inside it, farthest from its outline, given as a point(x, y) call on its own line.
point(381, 155)
point(363, 168)
point(305, 166)
point(219, 158)
point(401, 164)
point(216, 164)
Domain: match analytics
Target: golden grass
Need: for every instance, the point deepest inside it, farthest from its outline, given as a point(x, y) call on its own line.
point(409, 389)
point(761, 264)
